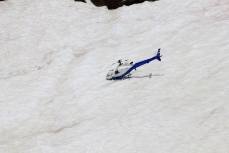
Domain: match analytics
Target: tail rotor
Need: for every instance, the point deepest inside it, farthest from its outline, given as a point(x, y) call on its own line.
point(159, 55)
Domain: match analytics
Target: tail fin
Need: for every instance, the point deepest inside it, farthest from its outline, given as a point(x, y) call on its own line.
point(159, 55)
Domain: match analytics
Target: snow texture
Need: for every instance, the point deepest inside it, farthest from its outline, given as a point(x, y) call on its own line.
point(54, 57)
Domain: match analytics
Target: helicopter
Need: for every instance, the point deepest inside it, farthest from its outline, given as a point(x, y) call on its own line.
point(123, 68)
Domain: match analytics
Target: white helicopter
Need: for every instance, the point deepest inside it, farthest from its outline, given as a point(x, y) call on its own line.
point(123, 69)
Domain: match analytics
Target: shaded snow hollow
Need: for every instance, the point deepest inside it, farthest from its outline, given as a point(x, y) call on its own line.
point(55, 55)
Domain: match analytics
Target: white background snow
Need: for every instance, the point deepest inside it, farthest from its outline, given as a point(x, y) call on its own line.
point(54, 56)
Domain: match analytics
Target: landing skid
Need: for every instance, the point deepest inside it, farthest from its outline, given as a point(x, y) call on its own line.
point(126, 77)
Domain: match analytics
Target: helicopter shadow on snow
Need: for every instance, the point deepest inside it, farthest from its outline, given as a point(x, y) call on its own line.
point(133, 77)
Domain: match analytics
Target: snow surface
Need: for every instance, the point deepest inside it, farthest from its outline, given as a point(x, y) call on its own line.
point(54, 98)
